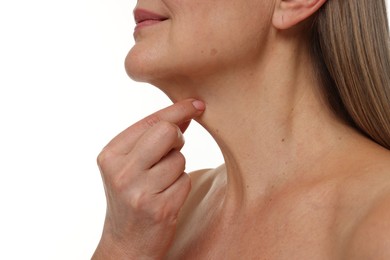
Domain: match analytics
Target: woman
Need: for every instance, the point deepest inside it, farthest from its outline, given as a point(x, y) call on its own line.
point(296, 94)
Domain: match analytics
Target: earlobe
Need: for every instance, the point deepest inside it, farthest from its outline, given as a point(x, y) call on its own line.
point(288, 13)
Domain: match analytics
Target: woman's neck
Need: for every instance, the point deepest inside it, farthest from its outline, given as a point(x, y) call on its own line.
point(270, 122)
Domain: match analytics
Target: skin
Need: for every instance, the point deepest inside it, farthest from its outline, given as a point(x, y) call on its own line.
point(297, 182)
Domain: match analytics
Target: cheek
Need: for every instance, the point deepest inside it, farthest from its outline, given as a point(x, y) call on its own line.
point(195, 42)
point(176, 48)
point(210, 42)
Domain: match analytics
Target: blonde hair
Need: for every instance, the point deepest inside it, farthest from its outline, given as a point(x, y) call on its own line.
point(350, 41)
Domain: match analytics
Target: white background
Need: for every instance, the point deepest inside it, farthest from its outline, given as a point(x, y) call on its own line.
point(63, 95)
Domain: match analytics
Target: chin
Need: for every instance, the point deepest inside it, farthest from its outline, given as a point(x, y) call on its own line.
point(137, 67)
point(149, 67)
point(179, 78)
point(146, 68)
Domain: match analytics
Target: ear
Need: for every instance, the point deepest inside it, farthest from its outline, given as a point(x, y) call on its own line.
point(288, 13)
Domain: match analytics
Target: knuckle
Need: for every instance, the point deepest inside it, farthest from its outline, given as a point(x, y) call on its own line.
point(163, 213)
point(152, 120)
point(175, 162)
point(157, 210)
point(117, 176)
point(167, 131)
point(180, 160)
point(141, 202)
point(138, 200)
point(119, 183)
point(167, 128)
point(105, 157)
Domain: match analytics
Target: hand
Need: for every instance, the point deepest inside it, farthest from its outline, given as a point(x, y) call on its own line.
point(145, 184)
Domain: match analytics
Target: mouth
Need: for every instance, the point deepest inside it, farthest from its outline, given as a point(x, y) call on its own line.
point(145, 18)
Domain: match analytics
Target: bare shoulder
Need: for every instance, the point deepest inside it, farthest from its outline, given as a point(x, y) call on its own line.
point(203, 182)
point(370, 238)
point(207, 177)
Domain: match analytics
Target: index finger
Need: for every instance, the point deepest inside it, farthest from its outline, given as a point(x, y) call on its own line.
point(179, 113)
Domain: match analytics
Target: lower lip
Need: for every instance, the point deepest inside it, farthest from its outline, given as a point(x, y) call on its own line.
point(146, 23)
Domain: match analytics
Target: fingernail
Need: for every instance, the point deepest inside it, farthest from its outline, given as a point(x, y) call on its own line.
point(199, 105)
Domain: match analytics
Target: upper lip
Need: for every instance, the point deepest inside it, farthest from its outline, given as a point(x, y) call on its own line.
point(141, 15)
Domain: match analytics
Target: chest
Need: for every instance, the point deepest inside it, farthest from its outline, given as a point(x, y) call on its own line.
point(260, 243)
point(299, 230)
